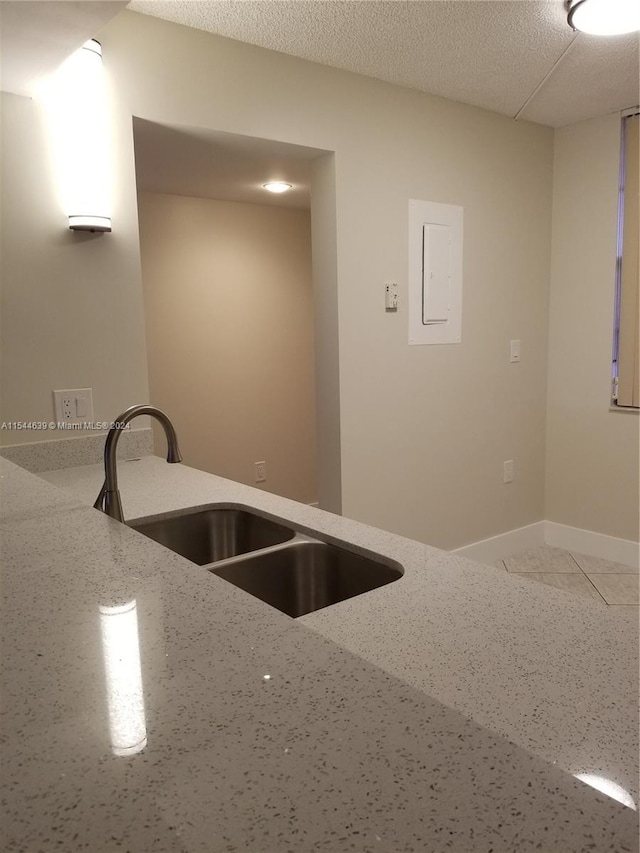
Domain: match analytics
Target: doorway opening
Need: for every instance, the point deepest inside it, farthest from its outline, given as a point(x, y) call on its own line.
point(234, 314)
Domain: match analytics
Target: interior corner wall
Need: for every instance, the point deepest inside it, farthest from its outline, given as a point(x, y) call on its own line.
point(592, 452)
point(229, 317)
point(327, 343)
point(423, 430)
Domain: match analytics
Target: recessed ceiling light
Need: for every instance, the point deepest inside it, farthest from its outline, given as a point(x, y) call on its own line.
point(277, 186)
point(604, 17)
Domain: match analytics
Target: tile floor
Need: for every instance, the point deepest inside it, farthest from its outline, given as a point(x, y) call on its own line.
point(611, 584)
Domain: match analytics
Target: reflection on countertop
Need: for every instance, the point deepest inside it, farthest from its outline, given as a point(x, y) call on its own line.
point(121, 649)
point(162, 732)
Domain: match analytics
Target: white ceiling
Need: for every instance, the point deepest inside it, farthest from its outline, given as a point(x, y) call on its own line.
point(490, 53)
point(211, 164)
point(516, 57)
point(36, 37)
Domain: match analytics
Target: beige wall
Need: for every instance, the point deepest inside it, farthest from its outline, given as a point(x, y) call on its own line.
point(423, 430)
point(72, 312)
point(592, 453)
point(229, 316)
point(325, 315)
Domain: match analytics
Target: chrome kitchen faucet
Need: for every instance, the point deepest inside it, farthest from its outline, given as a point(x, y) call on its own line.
point(109, 498)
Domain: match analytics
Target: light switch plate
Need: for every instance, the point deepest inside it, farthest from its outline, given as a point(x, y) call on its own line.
point(514, 352)
point(391, 296)
point(73, 406)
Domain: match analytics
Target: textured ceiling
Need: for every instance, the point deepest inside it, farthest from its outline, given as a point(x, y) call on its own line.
point(490, 53)
point(596, 77)
point(210, 164)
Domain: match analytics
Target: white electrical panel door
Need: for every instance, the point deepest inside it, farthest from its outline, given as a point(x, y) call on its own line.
point(435, 273)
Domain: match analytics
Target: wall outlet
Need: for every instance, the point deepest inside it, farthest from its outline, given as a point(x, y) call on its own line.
point(508, 471)
point(261, 472)
point(73, 406)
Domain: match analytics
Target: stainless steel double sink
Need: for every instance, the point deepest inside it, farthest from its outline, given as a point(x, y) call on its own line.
point(269, 559)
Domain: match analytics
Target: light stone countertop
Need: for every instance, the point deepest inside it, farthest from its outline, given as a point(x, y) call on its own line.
point(401, 729)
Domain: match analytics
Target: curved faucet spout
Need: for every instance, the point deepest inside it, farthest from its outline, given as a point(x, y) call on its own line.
point(108, 499)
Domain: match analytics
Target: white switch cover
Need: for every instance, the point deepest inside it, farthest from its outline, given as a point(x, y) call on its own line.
point(514, 352)
point(82, 408)
point(391, 296)
point(73, 406)
point(508, 471)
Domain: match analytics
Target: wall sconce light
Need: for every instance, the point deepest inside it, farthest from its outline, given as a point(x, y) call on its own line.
point(78, 113)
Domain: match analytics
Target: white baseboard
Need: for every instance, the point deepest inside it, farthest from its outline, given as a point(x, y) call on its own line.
point(505, 544)
point(587, 542)
point(593, 544)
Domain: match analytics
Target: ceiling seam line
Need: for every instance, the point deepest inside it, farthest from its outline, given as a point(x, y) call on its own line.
point(546, 77)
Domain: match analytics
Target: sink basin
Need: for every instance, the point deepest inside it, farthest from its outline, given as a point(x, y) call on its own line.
point(215, 533)
point(307, 575)
point(288, 570)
